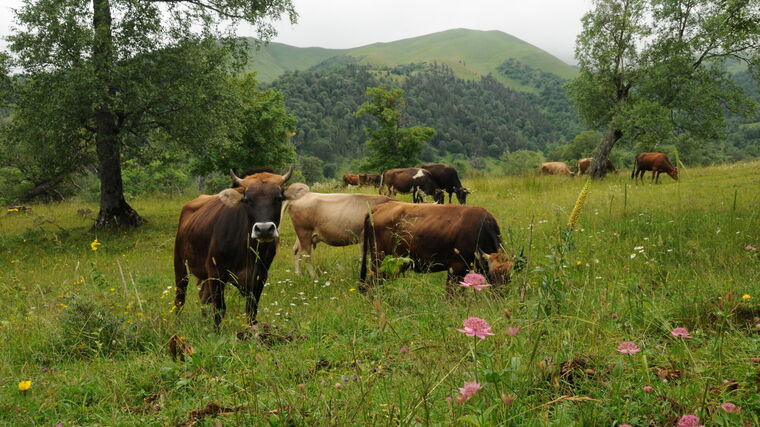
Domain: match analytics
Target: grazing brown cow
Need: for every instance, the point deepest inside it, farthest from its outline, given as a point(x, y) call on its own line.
point(411, 180)
point(655, 162)
point(447, 179)
point(436, 238)
point(584, 164)
point(335, 219)
point(369, 179)
point(230, 237)
point(350, 179)
point(556, 168)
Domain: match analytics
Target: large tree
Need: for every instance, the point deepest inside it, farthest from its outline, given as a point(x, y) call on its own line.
point(654, 69)
point(117, 70)
point(391, 145)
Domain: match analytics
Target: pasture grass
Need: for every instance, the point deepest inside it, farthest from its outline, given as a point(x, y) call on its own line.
point(90, 328)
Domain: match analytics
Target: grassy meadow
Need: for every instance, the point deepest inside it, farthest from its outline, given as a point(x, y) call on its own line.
point(90, 329)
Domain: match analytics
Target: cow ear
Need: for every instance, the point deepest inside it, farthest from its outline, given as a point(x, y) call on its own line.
point(231, 196)
point(296, 191)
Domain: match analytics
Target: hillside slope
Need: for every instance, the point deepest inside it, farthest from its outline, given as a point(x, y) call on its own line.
point(471, 54)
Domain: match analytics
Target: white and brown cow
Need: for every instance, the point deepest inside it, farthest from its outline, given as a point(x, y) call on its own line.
point(335, 219)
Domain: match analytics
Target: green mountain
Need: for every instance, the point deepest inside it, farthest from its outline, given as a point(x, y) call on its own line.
point(470, 54)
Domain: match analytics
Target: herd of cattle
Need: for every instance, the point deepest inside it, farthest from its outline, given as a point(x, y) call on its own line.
point(232, 237)
point(643, 162)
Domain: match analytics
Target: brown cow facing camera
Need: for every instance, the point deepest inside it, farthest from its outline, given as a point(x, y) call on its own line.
point(655, 162)
point(451, 238)
point(230, 237)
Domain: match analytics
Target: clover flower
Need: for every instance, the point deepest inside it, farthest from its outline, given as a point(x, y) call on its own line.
point(475, 281)
point(469, 390)
point(628, 348)
point(730, 408)
point(689, 421)
point(680, 333)
point(476, 327)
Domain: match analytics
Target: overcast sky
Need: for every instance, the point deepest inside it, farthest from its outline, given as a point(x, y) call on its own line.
point(551, 25)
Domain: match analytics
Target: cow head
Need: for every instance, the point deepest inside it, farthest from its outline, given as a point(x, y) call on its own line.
point(499, 267)
point(674, 174)
point(261, 195)
point(462, 193)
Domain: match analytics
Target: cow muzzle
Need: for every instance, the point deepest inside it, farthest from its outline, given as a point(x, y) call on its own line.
point(264, 231)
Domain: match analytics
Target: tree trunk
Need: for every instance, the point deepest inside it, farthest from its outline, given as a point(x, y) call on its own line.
point(114, 210)
point(599, 165)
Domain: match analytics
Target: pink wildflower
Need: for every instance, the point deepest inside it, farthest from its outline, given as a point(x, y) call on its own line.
point(469, 390)
point(447, 398)
point(513, 330)
point(730, 408)
point(476, 327)
point(403, 350)
point(475, 281)
point(750, 248)
point(615, 315)
point(689, 421)
point(628, 348)
point(680, 332)
point(625, 425)
point(648, 389)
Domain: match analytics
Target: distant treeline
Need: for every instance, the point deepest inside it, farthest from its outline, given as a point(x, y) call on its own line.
point(472, 118)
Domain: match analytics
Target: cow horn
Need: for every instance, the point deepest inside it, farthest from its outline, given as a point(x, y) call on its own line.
point(286, 177)
point(236, 179)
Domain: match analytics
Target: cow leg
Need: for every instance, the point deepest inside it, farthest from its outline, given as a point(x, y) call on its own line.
point(302, 250)
point(254, 287)
point(455, 275)
point(217, 291)
point(180, 283)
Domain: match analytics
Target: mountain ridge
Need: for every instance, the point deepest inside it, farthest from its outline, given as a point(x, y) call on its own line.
point(470, 53)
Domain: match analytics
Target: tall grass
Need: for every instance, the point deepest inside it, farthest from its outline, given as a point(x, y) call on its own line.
point(643, 259)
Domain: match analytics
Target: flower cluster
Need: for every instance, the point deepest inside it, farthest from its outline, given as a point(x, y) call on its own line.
point(475, 281)
point(476, 327)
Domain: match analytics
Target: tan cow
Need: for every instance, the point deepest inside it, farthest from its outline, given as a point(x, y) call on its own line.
point(335, 219)
point(556, 168)
point(585, 164)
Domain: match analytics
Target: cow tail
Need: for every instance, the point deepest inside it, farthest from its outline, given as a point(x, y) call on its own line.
point(635, 162)
point(365, 245)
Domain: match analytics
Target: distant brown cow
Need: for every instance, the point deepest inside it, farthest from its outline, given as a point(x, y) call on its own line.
point(584, 164)
point(655, 162)
point(556, 168)
point(335, 219)
point(230, 237)
point(350, 179)
point(449, 238)
point(411, 180)
point(369, 179)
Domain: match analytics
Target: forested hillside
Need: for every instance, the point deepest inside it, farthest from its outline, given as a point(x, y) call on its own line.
point(473, 118)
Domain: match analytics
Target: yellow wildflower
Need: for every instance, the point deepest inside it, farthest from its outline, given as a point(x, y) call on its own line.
point(746, 297)
point(25, 385)
point(94, 245)
point(13, 210)
point(576, 214)
point(352, 290)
